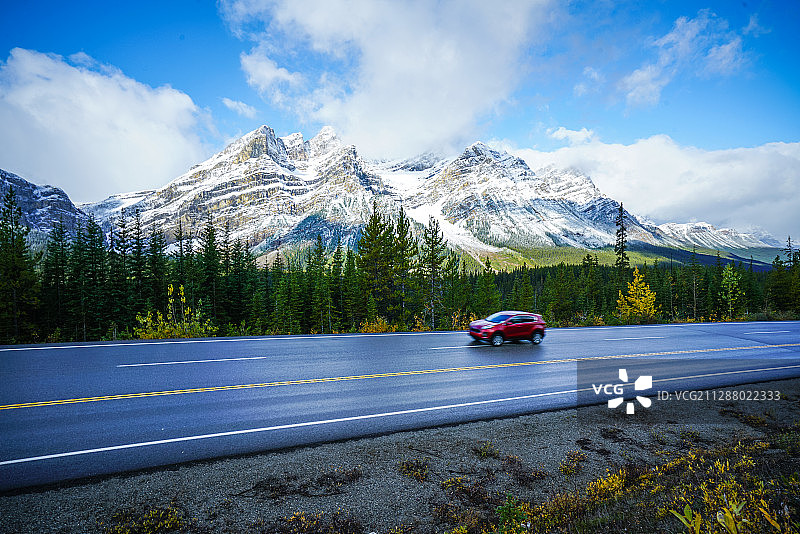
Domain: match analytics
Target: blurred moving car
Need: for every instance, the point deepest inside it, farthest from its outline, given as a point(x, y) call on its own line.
point(509, 326)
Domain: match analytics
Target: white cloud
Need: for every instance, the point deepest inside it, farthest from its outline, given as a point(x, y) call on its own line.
point(754, 28)
point(593, 78)
point(725, 58)
point(573, 137)
point(700, 46)
point(739, 188)
point(643, 86)
point(240, 107)
point(263, 73)
point(398, 77)
point(89, 129)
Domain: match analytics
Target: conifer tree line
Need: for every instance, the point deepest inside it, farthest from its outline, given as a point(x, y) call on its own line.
point(88, 286)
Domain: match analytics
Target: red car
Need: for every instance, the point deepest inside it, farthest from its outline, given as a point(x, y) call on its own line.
point(508, 326)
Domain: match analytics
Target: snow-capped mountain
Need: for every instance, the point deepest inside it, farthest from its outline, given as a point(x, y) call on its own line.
point(42, 206)
point(268, 190)
point(702, 234)
point(273, 191)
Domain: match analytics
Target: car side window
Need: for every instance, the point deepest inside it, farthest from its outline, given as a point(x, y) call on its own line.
point(525, 319)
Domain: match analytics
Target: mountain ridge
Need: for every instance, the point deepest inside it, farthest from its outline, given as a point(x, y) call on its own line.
point(274, 191)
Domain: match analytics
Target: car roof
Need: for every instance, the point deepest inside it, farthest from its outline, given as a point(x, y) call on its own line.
point(513, 312)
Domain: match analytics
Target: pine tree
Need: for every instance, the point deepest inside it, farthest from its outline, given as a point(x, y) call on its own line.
point(457, 291)
point(138, 268)
point(86, 288)
point(54, 281)
point(95, 274)
point(210, 272)
point(156, 273)
point(298, 314)
point(590, 286)
point(18, 280)
point(779, 285)
point(561, 288)
point(405, 250)
point(119, 310)
point(714, 303)
point(280, 295)
point(621, 245)
point(76, 286)
point(241, 286)
point(354, 299)
point(319, 290)
point(696, 284)
point(336, 284)
point(375, 258)
point(430, 269)
point(486, 298)
point(180, 270)
point(731, 291)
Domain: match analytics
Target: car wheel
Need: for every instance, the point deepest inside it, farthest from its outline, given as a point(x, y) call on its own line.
point(536, 338)
point(497, 340)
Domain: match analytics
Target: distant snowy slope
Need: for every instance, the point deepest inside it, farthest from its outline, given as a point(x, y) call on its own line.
point(704, 235)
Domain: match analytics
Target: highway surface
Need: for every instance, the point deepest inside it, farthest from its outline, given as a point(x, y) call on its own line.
point(71, 411)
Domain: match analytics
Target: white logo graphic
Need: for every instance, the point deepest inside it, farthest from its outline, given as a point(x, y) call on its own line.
point(642, 383)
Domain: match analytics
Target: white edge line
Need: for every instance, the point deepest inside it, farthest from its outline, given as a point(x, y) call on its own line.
point(673, 325)
point(354, 418)
point(192, 361)
point(728, 373)
point(631, 338)
point(344, 336)
point(461, 347)
point(235, 340)
point(770, 332)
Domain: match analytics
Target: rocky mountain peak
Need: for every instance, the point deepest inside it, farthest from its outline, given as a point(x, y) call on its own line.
point(42, 206)
point(480, 159)
point(322, 143)
point(295, 146)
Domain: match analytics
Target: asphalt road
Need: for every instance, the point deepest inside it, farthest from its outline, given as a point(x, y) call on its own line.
point(71, 411)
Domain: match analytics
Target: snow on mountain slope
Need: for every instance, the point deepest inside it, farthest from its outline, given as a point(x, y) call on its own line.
point(272, 191)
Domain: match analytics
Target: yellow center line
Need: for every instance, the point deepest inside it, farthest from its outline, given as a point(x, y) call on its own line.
point(376, 375)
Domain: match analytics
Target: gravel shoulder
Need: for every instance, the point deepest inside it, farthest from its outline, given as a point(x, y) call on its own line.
point(362, 478)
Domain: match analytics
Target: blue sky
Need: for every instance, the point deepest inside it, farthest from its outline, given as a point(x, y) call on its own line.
point(659, 102)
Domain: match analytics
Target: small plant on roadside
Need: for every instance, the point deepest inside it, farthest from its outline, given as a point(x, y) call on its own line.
point(571, 464)
point(513, 517)
point(788, 441)
point(338, 522)
point(156, 520)
point(415, 468)
point(486, 449)
point(521, 473)
point(181, 321)
point(379, 325)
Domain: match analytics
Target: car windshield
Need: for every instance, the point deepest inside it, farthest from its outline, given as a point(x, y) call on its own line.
point(498, 317)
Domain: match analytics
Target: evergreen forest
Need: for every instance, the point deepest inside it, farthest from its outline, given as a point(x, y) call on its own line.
point(125, 284)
